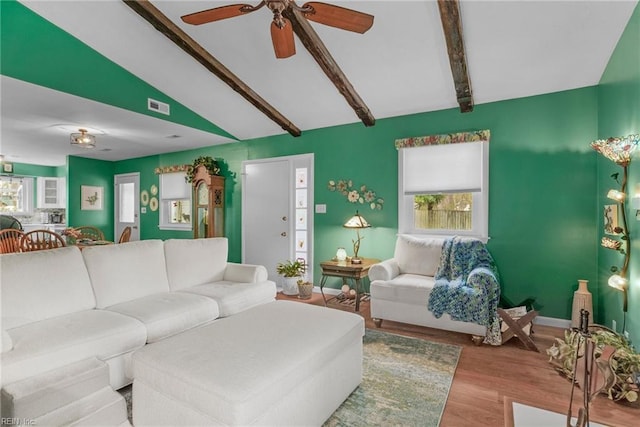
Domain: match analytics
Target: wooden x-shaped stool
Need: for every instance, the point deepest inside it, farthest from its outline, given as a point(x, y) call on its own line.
point(516, 328)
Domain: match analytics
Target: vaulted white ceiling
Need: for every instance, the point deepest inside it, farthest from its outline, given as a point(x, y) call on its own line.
point(514, 49)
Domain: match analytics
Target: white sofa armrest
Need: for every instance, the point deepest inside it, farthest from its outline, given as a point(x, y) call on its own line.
point(245, 273)
point(385, 270)
point(7, 342)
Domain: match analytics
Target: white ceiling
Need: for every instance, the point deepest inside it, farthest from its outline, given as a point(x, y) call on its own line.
point(514, 49)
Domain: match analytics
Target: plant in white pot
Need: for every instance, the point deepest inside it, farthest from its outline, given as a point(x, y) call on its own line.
point(292, 271)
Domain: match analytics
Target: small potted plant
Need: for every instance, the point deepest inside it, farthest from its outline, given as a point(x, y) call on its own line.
point(292, 271)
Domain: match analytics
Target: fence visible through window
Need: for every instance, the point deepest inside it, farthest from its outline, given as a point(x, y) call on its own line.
point(443, 220)
point(449, 211)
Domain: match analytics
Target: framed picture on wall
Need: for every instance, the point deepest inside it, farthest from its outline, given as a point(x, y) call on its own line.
point(91, 198)
point(610, 219)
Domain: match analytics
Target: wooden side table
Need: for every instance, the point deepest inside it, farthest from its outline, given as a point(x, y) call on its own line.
point(346, 271)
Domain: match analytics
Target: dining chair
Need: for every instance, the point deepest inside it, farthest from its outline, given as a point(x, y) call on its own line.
point(125, 236)
point(10, 240)
point(89, 232)
point(38, 240)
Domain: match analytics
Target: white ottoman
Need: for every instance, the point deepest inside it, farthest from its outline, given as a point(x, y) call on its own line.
point(281, 363)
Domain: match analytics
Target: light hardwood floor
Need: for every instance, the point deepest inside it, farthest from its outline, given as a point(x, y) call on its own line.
point(486, 375)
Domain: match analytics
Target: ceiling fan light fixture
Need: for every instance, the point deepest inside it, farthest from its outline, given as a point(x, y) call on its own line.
point(83, 139)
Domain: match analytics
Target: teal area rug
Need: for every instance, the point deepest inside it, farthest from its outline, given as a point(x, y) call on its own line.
point(405, 382)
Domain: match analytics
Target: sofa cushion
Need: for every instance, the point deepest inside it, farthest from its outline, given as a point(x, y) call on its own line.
point(7, 342)
point(49, 344)
point(418, 255)
point(43, 284)
point(248, 273)
point(169, 313)
point(41, 394)
point(192, 262)
point(406, 288)
point(126, 271)
point(234, 297)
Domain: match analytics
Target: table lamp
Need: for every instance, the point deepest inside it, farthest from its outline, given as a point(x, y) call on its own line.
point(357, 222)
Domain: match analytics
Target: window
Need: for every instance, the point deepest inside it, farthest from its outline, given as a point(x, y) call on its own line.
point(16, 195)
point(126, 203)
point(175, 202)
point(444, 189)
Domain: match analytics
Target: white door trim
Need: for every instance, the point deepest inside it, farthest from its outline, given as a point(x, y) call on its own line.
point(135, 232)
point(299, 160)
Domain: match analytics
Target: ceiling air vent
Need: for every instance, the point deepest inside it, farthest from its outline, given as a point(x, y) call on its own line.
point(158, 107)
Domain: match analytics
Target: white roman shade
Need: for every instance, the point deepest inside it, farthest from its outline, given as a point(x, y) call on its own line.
point(173, 186)
point(446, 168)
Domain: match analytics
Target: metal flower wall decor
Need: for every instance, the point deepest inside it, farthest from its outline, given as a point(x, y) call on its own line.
point(361, 195)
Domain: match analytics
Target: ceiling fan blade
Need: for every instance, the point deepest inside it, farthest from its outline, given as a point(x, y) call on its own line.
point(216, 14)
point(282, 39)
point(339, 17)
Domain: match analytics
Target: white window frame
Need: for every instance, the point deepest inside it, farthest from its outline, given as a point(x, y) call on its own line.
point(175, 194)
point(27, 195)
point(480, 201)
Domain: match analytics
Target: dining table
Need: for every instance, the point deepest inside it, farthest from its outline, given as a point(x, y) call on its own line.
point(87, 243)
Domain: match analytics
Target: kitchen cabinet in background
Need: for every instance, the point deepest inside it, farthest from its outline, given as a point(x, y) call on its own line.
point(52, 192)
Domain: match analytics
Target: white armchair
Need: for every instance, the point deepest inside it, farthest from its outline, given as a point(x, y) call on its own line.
point(401, 286)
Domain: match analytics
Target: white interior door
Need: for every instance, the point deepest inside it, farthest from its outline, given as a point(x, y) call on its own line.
point(266, 222)
point(273, 228)
point(127, 205)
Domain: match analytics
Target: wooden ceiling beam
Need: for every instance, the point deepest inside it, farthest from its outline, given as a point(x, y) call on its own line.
point(320, 53)
point(163, 24)
point(452, 27)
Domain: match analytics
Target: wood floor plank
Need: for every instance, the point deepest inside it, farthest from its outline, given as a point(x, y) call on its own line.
point(485, 375)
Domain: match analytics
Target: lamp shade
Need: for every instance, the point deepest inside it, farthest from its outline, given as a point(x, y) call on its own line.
point(357, 221)
point(617, 149)
point(618, 282)
point(616, 195)
point(83, 139)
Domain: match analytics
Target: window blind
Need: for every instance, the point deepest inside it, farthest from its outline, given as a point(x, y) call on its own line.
point(447, 168)
point(174, 186)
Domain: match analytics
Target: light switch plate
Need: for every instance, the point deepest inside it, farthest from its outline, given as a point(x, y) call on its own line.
point(321, 208)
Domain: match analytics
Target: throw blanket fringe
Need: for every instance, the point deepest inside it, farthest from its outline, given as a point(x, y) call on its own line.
point(467, 286)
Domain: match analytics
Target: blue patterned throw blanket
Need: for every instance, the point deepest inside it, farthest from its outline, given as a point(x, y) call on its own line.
point(467, 286)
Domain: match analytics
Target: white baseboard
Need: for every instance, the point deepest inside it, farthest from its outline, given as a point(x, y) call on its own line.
point(552, 321)
point(540, 320)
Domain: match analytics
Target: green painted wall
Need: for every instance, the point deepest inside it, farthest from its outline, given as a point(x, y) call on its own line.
point(619, 115)
point(91, 172)
point(35, 170)
point(542, 187)
point(232, 155)
point(36, 51)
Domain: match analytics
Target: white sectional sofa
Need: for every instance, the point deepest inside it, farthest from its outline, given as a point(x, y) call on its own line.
point(63, 306)
point(401, 286)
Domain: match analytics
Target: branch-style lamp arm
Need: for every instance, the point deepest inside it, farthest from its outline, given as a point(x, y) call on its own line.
point(625, 228)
